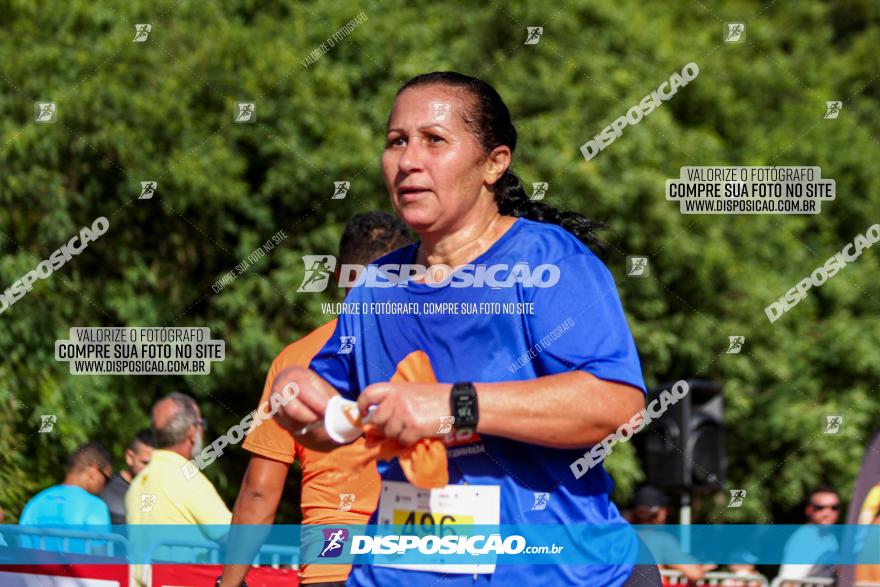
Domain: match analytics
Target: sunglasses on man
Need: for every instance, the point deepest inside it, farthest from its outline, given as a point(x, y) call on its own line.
point(647, 512)
point(821, 506)
point(107, 478)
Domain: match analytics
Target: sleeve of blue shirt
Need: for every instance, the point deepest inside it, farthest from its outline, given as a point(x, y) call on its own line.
point(336, 368)
point(98, 518)
point(25, 541)
point(579, 323)
point(25, 518)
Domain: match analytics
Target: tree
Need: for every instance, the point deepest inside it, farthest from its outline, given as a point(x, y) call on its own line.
point(163, 110)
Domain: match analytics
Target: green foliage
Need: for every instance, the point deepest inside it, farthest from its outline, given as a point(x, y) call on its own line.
point(163, 110)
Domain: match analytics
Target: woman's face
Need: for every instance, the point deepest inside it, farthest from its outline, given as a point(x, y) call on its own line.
point(435, 170)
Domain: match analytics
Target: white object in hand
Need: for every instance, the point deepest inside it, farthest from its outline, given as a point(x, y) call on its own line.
point(342, 420)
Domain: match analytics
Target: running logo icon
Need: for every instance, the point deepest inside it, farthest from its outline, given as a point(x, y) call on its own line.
point(340, 189)
point(446, 423)
point(533, 34)
point(539, 190)
point(636, 266)
point(541, 500)
point(833, 424)
point(47, 424)
point(246, 112)
point(148, 500)
point(346, 345)
point(346, 500)
point(318, 271)
point(736, 498)
point(334, 540)
point(832, 109)
point(440, 111)
point(734, 32)
point(44, 112)
point(142, 32)
point(148, 188)
point(736, 343)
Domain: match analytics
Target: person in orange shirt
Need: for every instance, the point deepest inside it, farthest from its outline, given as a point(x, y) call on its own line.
point(333, 491)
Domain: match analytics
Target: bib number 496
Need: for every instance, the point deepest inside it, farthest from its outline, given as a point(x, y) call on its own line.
point(425, 523)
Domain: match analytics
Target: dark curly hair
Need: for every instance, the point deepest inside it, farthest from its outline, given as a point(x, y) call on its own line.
point(488, 119)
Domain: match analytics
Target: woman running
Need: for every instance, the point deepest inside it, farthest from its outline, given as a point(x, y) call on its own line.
point(533, 352)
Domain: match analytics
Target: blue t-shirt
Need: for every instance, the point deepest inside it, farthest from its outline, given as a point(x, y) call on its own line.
point(577, 324)
point(811, 542)
point(71, 508)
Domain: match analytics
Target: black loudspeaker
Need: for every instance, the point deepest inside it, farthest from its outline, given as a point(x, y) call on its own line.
point(683, 449)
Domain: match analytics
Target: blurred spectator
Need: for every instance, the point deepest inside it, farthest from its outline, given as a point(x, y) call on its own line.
point(137, 456)
point(75, 503)
point(814, 541)
point(650, 506)
point(160, 494)
point(745, 571)
point(746, 576)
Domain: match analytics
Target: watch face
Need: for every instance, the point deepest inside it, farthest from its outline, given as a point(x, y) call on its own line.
point(464, 412)
point(464, 406)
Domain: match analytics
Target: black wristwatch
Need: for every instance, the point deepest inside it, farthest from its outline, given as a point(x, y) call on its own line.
point(463, 406)
point(217, 584)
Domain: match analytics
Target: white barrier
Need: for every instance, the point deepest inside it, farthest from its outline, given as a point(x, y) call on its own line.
point(90, 549)
point(276, 553)
point(100, 540)
point(287, 556)
point(117, 545)
point(142, 574)
point(715, 579)
point(805, 582)
point(14, 573)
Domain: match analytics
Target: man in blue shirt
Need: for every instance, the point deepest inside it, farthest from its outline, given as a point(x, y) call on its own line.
point(73, 505)
point(813, 541)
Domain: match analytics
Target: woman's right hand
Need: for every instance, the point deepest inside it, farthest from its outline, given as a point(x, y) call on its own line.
point(310, 403)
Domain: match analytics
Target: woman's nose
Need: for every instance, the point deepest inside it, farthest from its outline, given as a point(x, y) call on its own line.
point(411, 158)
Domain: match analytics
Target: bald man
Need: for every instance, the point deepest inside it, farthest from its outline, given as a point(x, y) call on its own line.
point(160, 493)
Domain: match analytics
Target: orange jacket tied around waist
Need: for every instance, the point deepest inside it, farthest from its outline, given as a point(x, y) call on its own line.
point(424, 463)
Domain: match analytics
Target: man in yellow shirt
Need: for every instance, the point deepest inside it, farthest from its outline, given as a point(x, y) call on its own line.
point(160, 493)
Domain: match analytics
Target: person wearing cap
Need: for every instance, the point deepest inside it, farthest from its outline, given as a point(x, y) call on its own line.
point(649, 507)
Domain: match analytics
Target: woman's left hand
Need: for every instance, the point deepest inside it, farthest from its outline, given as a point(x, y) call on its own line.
point(407, 412)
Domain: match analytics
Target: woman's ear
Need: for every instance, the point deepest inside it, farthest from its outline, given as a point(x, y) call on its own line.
point(498, 161)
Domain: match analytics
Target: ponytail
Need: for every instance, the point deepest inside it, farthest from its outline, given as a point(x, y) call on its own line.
point(512, 200)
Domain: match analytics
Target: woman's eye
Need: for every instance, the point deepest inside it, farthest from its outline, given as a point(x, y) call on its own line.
point(394, 141)
point(435, 138)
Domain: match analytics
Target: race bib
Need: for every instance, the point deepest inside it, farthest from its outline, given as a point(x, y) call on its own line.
point(424, 512)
